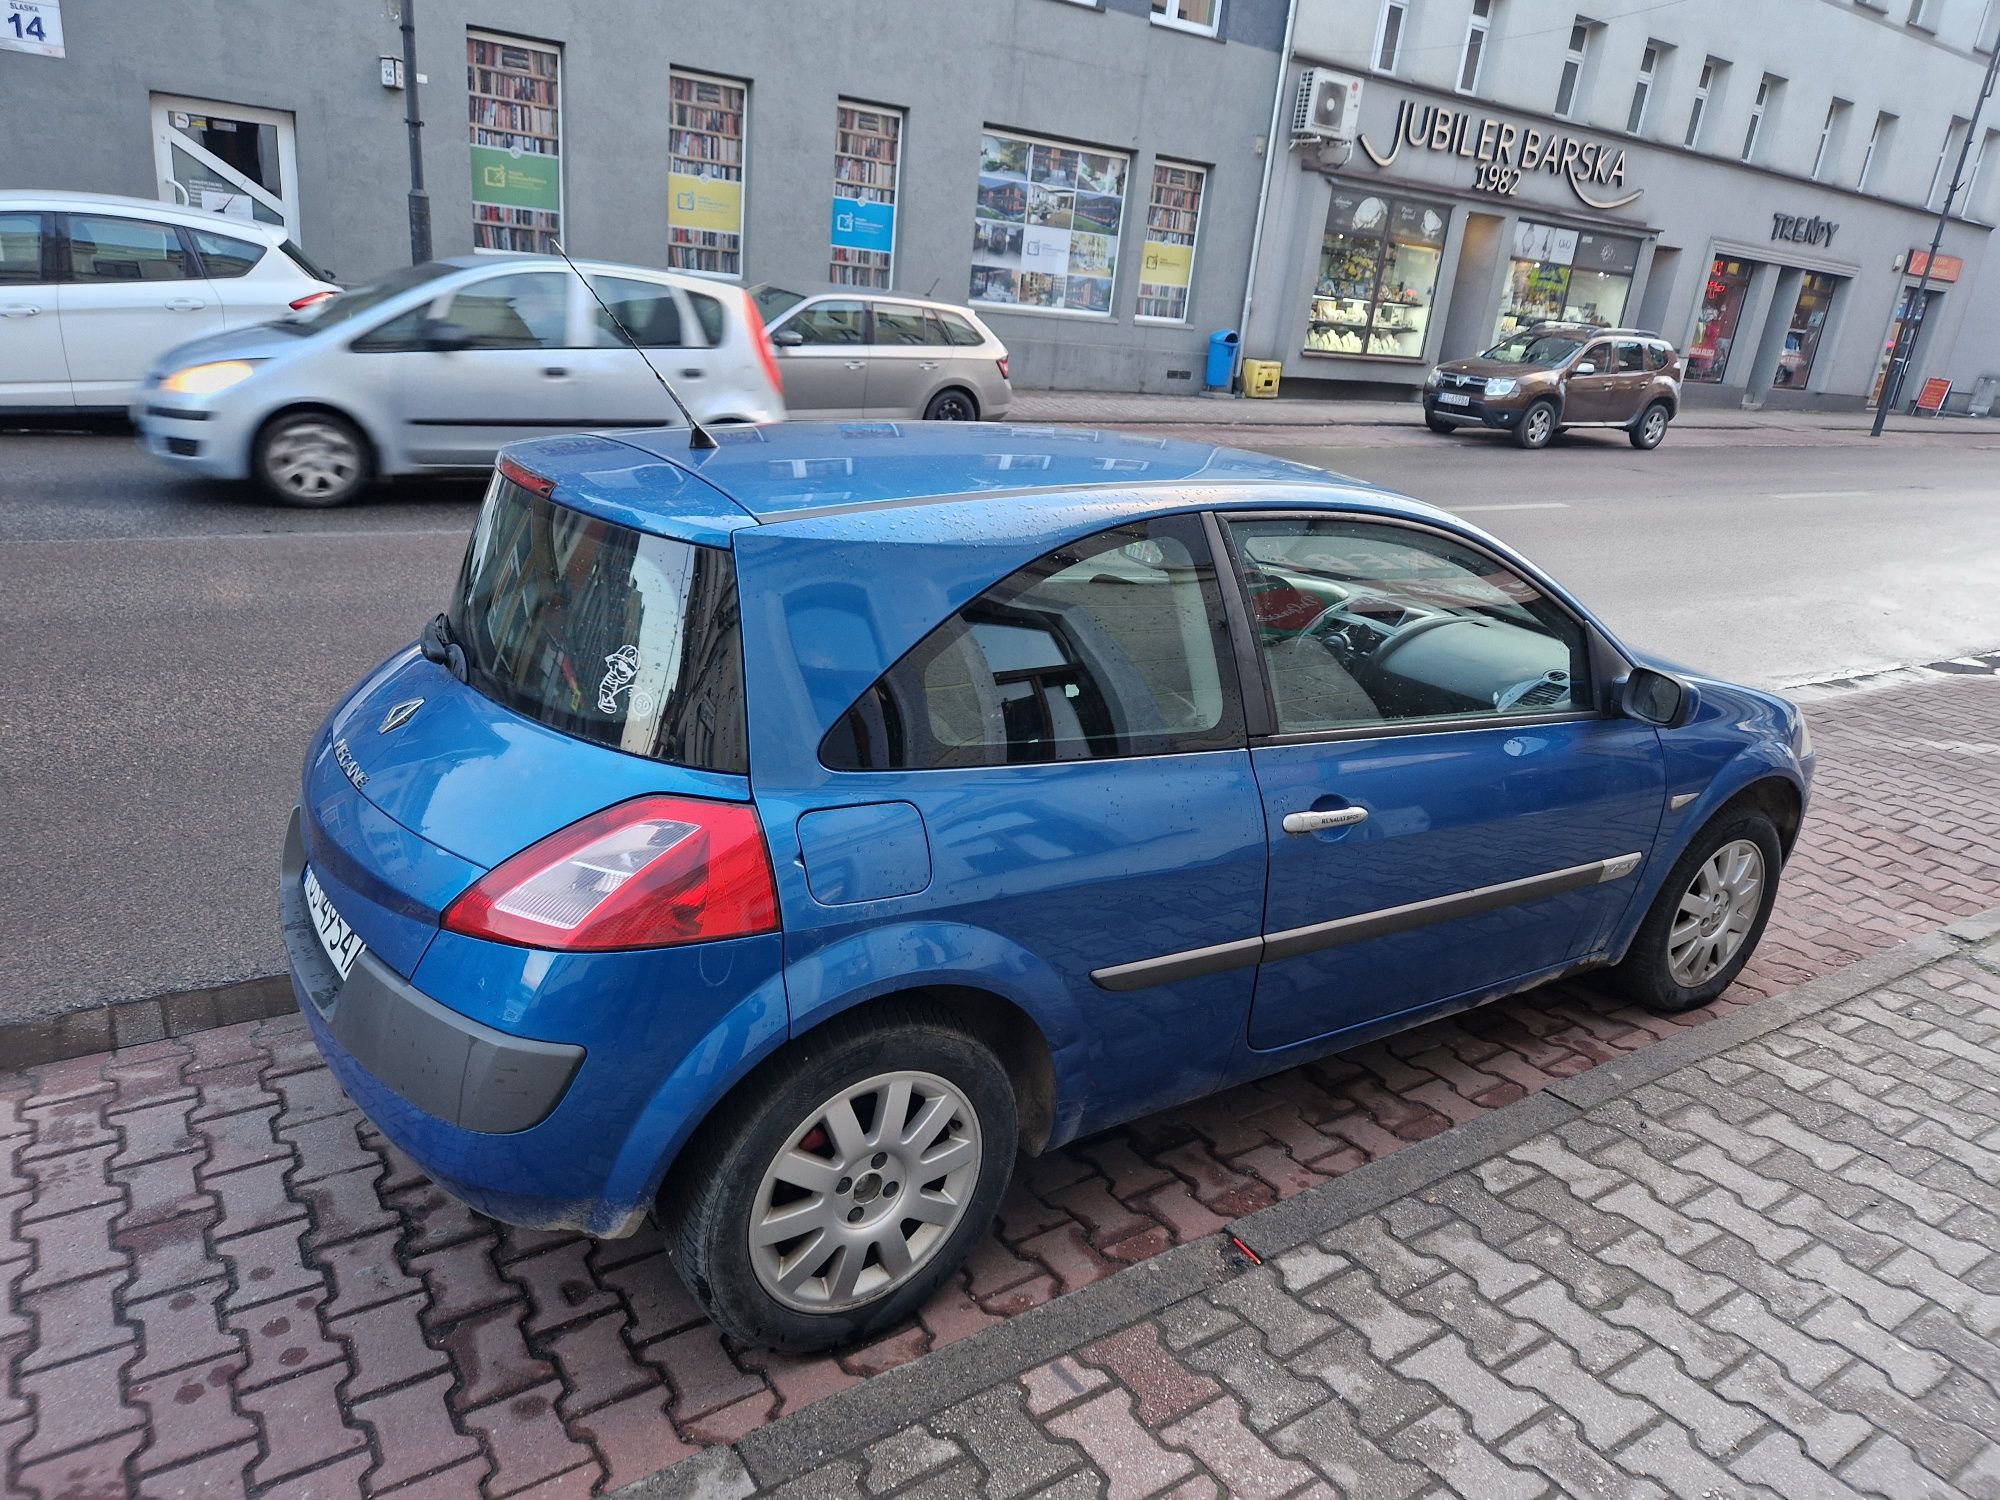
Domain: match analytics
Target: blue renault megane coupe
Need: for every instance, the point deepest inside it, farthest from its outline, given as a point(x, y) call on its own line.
point(777, 837)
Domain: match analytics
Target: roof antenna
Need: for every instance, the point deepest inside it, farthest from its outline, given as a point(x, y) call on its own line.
point(698, 435)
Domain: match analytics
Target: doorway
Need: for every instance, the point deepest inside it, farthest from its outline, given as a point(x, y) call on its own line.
point(1902, 339)
point(227, 159)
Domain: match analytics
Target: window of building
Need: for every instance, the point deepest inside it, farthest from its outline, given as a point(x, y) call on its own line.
point(1879, 137)
point(103, 248)
point(1808, 322)
point(1473, 63)
point(867, 168)
point(705, 173)
point(21, 248)
point(1569, 89)
point(1710, 69)
point(513, 91)
point(1715, 327)
point(1978, 186)
point(1326, 592)
point(1831, 137)
point(1199, 16)
point(1954, 140)
point(1767, 95)
point(1642, 89)
point(1923, 14)
point(1563, 275)
point(1378, 269)
point(1110, 646)
point(1045, 224)
point(1389, 35)
point(1988, 35)
point(1173, 215)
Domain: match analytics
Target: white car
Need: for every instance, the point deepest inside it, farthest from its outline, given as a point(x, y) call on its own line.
point(434, 368)
point(94, 288)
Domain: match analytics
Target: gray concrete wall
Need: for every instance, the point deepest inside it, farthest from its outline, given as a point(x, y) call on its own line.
point(1100, 75)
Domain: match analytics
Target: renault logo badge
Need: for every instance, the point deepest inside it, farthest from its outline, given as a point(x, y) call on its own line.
point(400, 715)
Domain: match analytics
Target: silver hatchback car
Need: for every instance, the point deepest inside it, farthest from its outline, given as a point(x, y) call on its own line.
point(852, 353)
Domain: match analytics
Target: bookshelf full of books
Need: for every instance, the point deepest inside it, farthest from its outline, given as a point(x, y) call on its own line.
point(705, 142)
point(867, 161)
point(513, 87)
point(1172, 216)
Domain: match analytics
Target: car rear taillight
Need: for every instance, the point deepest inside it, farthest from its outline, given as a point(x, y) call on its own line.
point(766, 355)
point(649, 873)
point(300, 304)
point(1003, 367)
point(527, 479)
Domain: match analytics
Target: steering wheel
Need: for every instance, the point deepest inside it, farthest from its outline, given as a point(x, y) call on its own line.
point(1335, 632)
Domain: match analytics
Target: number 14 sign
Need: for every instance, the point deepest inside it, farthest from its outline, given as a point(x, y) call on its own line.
point(31, 26)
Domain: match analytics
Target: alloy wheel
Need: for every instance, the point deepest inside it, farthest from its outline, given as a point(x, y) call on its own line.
point(864, 1192)
point(1541, 426)
point(1655, 427)
point(1716, 913)
point(312, 459)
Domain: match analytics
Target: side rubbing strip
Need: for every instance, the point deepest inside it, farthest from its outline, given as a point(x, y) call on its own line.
point(1191, 963)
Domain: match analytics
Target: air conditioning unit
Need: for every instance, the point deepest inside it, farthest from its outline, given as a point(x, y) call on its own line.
point(1328, 107)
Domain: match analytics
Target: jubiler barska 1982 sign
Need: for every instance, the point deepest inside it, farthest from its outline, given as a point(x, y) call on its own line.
point(1505, 152)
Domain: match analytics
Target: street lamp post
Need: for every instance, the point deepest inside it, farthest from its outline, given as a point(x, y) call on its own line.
point(420, 201)
point(1906, 340)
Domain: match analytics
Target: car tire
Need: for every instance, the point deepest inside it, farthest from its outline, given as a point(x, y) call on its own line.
point(1682, 959)
point(738, 1176)
point(954, 404)
point(1651, 427)
point(1439, 425)
point(311, 459)
point(1537, 425)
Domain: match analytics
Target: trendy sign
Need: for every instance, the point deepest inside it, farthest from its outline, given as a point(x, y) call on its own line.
point(1803, 231)
point(1503, 153)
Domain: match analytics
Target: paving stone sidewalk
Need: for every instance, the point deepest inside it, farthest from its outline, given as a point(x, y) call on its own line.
point(216, 1278)
point(1761, 1260)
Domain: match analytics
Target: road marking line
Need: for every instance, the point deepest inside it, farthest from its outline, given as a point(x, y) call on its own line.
point(1467, 510)
point(1817, 494)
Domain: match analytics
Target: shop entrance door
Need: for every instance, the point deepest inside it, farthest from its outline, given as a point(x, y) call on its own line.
point(228, 159)
point(1903, 335)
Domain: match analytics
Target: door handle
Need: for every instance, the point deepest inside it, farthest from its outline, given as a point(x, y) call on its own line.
point(855, 364)
point(1319, 822)
point(185, 304)
point(18, 310)
point(554, 372)
point(692, 374)
point(928, 364)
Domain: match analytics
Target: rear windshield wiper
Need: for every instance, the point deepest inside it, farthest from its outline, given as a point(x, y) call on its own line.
point(441, 645)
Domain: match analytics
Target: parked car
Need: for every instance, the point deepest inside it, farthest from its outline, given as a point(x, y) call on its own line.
point(1554, 376)
point(850, 353)
point(433, 368)
point(775, 837)
point(93, 288)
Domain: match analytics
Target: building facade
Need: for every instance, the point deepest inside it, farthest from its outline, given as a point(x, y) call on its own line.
point(1757, 182)
point(1087, 174)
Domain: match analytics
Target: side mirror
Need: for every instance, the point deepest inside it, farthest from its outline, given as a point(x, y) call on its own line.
point(1657, 698)
point(788, 338)
point(1586, 368)
point(446, 337)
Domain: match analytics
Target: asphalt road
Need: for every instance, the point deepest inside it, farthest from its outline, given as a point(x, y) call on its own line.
point(170, 647)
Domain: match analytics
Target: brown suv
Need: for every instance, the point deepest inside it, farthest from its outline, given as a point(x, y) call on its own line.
point(1552, 376)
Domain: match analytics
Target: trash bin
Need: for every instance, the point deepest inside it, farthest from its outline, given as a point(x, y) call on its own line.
point(1260, 377)
point(1221, 359)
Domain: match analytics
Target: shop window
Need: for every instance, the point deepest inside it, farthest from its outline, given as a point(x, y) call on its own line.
point(1721, 306)
point(1045, 224)
point(513, 92)
point(1172, 216)
point(1802, 334)
point(1473, 62)
point(1199, 16)
point(705, 173)
point(1566, 276)
point(867, 167)
point(1389, 35)
point(1378, 269)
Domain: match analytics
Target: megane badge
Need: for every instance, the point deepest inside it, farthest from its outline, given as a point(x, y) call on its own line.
point(400, 715)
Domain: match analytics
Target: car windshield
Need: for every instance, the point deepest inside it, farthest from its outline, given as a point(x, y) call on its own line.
point(1534, 349)
point(363, 299)
point(607, 634)
point(773, 302)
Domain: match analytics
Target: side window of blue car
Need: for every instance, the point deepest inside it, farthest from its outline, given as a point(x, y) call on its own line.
point(1364, 626)
point(1109, 646)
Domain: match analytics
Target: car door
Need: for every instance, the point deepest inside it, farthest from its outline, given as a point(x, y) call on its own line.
point(822, 348)
point(905, 353)
point(616, 389)
point(1590, 388)
point(1056, 774)
point(1447, 810)
point(33, 372)
point(510, 369)
point(1634, 383)
point(131, 290)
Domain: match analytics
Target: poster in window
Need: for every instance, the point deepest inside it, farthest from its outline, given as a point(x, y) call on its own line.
point(1046, 219)
point(512, 95)
point(705, 174)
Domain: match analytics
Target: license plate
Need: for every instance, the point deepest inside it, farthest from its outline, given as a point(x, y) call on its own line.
point(1452, 398)
point(342, 944)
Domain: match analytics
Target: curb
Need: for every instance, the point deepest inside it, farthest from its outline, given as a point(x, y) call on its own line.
point(799, 1442)
point(129, 1023)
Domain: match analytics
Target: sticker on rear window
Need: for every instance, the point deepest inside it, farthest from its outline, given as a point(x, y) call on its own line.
point(621, 668)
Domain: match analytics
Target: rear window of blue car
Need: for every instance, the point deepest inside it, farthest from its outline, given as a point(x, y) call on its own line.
point(611, 635)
